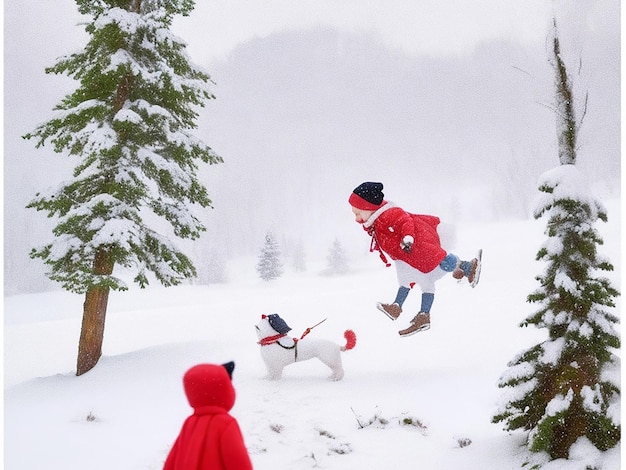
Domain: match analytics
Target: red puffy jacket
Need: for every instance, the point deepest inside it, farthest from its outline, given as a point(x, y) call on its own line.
point(390, 224)
point(210, 438)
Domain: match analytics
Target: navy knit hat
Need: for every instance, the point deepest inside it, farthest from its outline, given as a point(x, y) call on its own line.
point(279, 325)
point(367, 196)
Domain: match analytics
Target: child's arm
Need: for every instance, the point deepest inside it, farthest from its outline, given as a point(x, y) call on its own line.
point(406, 227)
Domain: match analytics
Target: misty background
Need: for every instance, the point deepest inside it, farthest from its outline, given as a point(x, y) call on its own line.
point(303, 114)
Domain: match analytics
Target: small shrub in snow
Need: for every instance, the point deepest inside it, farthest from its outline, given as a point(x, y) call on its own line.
point(324, 433)
point(464, 441)
point(277, 428)
point(376, 420)
point(414, 422)
point(381, 422)
point(341, 449)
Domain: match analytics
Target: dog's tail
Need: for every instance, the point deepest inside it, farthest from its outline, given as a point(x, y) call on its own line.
point(350, 340)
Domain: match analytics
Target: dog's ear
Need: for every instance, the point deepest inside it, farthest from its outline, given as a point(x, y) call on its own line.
point(230, 367)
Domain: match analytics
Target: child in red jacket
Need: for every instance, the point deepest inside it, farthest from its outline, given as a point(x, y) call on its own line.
point(412, 241)
point(210, 438)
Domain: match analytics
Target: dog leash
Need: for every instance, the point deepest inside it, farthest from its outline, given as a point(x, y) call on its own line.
point(308, 330)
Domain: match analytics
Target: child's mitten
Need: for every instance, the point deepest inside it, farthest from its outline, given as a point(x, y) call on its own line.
point(407, 243)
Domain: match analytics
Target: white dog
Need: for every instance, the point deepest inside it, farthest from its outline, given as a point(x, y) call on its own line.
point(278, 351)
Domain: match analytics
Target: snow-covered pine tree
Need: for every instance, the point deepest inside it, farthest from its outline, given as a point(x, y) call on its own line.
point(270, 265)
point(337, 261)
point(129, 123)
point(567, 387)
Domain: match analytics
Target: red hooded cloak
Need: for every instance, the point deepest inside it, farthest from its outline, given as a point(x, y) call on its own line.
point(210, 438)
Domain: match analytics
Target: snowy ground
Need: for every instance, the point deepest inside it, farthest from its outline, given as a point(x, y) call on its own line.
point(420, 402)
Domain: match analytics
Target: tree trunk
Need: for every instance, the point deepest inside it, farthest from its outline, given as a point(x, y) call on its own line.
point(565, 116)
point(94, 314)
point(97, 298)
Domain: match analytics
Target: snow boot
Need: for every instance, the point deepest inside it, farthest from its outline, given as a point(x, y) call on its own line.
point(469, 269)
point(393, 311)
point(421, 322)
point(471, 277)
point(458, 273)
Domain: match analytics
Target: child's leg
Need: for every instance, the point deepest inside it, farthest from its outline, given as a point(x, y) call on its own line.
point(427, 281)
point(405, 275)
point(401, 296)
point(406, 278)
point(449, 263)
point(427, 301)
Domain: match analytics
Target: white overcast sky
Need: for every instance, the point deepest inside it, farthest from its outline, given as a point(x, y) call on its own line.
point(431, 27)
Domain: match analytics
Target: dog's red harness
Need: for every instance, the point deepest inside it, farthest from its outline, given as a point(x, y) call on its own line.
point(271, 339)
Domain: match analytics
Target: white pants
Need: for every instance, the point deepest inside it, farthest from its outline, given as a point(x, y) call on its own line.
point(408, 275)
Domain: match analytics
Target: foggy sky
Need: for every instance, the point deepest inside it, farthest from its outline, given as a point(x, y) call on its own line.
point(304, 116)
point(426, 28)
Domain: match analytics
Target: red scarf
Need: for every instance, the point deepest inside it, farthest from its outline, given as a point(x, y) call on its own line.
point(271, 339)
point(374, 245)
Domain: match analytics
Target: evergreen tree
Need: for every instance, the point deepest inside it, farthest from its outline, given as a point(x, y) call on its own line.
point(336, 259)
point(567, 387)
point(129, 124)
point(270, 265)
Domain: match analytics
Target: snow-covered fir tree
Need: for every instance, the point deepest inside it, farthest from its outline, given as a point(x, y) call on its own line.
point(270, 264)
point(566, 389)
point(337, 261)
point(129, 125)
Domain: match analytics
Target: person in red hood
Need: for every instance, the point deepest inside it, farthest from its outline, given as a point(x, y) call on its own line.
point(210, 438)
point(412, 241)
